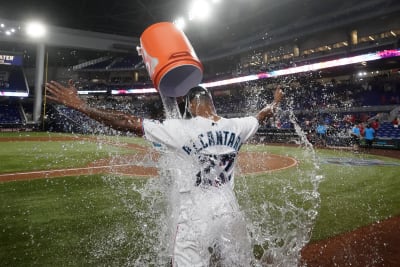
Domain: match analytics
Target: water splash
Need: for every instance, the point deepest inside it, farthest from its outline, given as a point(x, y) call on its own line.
point(171, 108)
point(279, 223)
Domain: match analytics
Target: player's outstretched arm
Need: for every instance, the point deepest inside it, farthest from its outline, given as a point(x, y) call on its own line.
point(68, 96)
point(269, 110)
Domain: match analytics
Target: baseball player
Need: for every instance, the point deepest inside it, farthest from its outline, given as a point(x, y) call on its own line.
point(202, 151)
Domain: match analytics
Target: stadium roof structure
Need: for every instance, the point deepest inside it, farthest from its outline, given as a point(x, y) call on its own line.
point(233, 27)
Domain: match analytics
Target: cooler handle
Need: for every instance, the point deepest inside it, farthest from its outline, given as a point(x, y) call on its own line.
point(180, 54)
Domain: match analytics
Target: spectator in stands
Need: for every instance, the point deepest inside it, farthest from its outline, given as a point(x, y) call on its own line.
point(369, 136)
point(205, 148)
point(375, 124)
point(321, 133)
point(355, 136)
point(395, 122)
point(362, 128)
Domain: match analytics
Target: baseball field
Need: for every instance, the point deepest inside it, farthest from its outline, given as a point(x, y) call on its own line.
point(73, 200)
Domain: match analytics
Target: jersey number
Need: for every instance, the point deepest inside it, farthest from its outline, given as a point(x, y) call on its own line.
point(216, 169)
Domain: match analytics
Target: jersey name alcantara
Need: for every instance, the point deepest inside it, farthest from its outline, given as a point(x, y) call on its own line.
point(209, 147)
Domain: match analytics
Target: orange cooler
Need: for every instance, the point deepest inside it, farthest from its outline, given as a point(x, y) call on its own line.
point(170, 59)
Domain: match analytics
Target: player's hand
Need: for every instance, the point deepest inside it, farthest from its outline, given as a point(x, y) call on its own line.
point(66, 95)
point(278, 95)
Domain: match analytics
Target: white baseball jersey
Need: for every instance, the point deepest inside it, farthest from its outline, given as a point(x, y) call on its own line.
point(209, 146)
point(200, 154)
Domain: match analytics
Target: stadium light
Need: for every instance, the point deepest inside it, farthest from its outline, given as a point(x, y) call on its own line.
point(200, 9)
point(180, 23)
point(35, 29)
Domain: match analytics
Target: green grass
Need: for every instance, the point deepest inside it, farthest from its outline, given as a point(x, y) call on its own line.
point(44, 155)
point(128, 140)
point(351, 196)
point(355, 196)
point(63, 221)
point(30, 134)
point(91, 220)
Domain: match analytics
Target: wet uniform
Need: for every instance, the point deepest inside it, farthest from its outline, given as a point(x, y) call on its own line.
point(202, 154)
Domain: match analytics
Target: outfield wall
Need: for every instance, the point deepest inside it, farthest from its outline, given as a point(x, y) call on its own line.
point(273, 135)
point(385, 143)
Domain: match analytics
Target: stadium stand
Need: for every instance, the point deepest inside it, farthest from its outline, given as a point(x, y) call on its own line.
point(388, 130)
point(10, 114)
point(12, 117)
point(339, 97)
point(117, 63)
point(338, 104)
